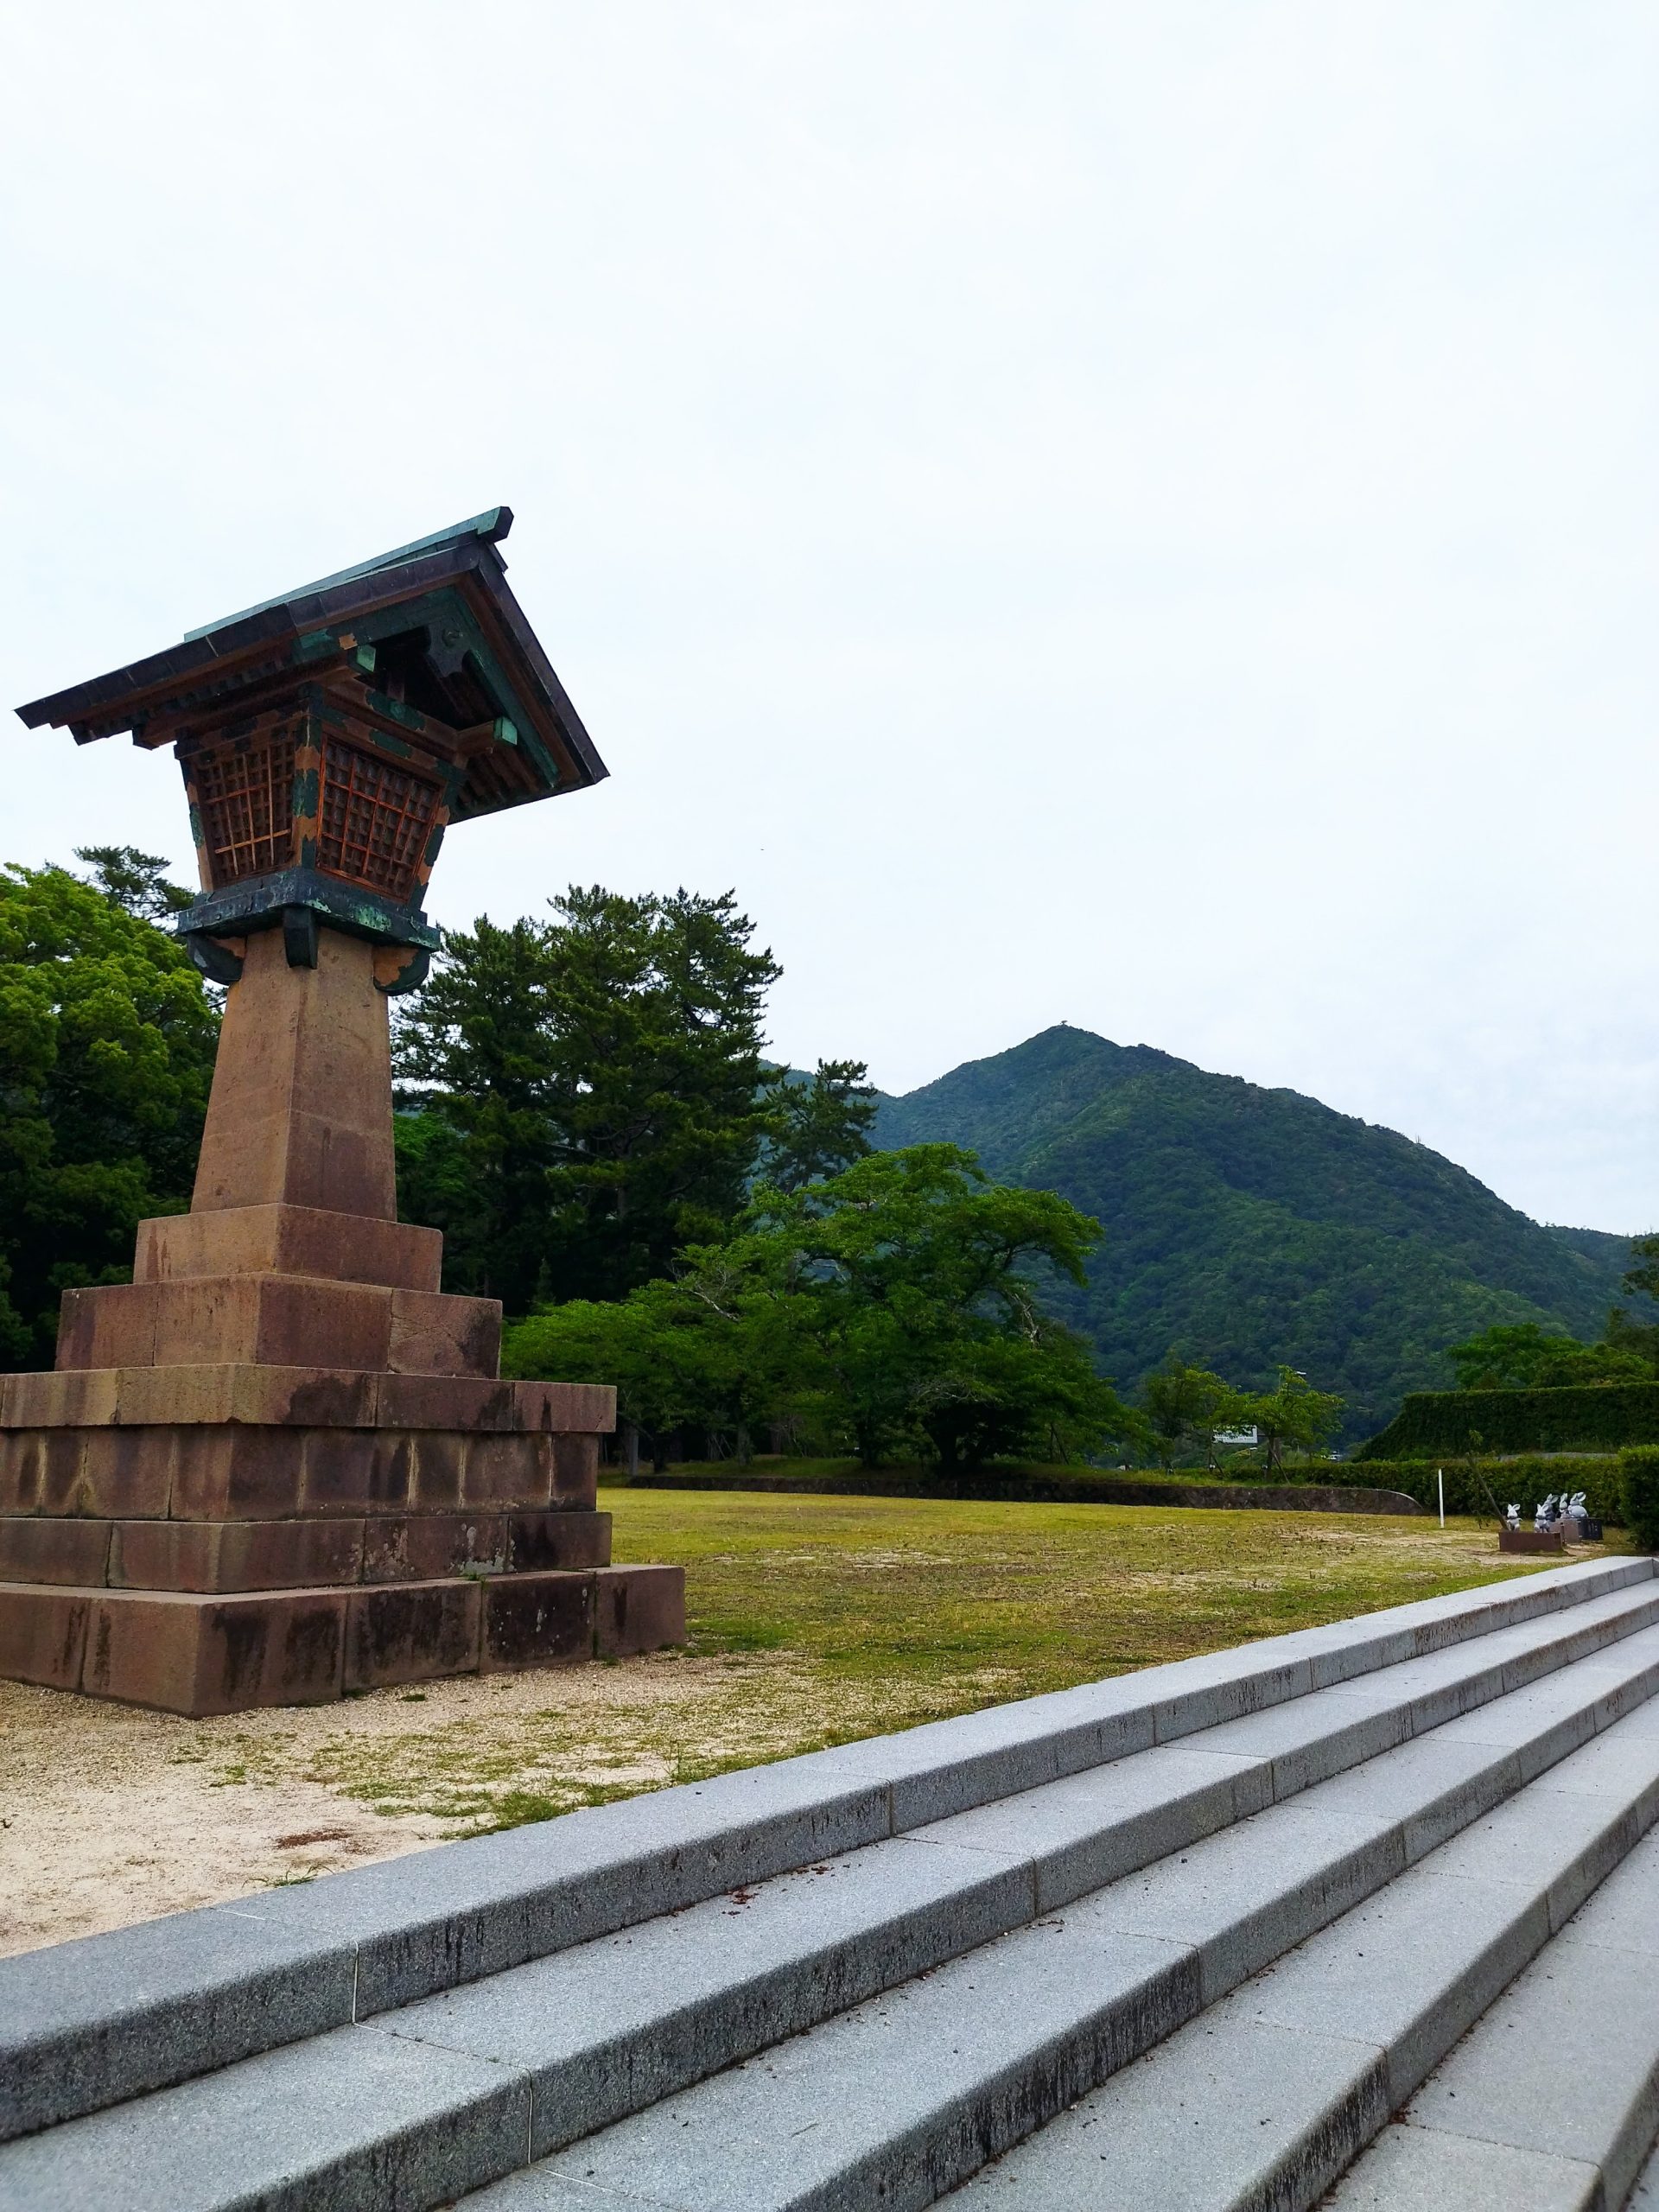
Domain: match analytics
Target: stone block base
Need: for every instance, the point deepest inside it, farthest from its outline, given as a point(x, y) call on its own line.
point(285, 1240)
point(277, 1320)
point(197, 1654)
point(236, 1472)
point(227, 1556)
point(1531, 1539)
point(205, 1536)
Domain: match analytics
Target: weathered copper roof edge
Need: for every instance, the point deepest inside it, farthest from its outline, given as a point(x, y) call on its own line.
point(491, 526)
point(310, 608)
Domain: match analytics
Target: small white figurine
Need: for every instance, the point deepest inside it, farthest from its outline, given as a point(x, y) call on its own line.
point(1543, 1516)
point(1512, 1516)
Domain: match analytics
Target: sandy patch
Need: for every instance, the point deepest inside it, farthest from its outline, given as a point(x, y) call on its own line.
point(109, 1814)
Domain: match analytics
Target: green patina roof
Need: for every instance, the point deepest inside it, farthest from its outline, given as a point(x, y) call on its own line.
point(438, 610)
point(493, 525)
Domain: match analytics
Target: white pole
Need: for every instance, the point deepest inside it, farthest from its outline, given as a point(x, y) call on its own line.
point(1441, 1472)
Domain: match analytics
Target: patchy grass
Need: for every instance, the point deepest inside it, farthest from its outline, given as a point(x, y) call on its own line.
point(814, 1619)
point(896, 1595)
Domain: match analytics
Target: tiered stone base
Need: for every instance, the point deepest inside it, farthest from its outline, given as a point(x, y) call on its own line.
point(208, 1537)
point(280, 1464)
point(196, 1655)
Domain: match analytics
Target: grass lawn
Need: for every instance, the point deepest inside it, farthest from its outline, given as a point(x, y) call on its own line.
point(943, 1606)
point(813, 1619)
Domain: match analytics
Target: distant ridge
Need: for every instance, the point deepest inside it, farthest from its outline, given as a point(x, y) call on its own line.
point(1244, 1225)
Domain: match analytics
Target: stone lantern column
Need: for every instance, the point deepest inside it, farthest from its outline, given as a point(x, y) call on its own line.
point(280, 1463)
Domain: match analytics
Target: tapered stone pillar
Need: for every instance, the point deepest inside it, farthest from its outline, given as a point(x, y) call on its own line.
point(281, 1465)
point(300, 1113)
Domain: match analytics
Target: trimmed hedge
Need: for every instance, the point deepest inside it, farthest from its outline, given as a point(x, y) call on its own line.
point(1640, 1470)
point(1046, 1486)
point(1522, 1482)
point(1597, 1417)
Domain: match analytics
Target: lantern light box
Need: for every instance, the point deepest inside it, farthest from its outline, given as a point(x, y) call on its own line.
point(327, 739)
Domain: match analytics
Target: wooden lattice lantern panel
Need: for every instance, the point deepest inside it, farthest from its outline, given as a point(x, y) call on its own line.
point(352, 802)
point(329, 738)
point(242, 803)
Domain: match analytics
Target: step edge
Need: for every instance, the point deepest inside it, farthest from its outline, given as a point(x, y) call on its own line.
point(855, 1807)
point(1374, 1846)
point(1533, 1928)
point(1646, 1797)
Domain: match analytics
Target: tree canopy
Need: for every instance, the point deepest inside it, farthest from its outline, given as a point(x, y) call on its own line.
point(1184, 1407)
point(817, 1124)
point(135, 882)
point(889, 1309)
point(106, 1055)
point(594, 1088)
point(590, 1094)
point(1523, 1356)
point(1292, 1416)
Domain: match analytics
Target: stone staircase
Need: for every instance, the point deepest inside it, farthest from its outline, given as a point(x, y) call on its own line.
point(1365, 1909)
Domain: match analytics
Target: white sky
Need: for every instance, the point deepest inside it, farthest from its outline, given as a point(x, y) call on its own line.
point(1136, 514)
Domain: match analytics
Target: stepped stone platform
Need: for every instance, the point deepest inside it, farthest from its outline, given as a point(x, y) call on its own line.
point(280, 1464)
point(1370, 1909)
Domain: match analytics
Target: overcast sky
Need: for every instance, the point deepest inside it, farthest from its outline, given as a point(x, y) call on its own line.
point(1140, 515)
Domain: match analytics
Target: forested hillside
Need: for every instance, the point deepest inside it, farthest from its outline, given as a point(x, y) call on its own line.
point(1245, 1226)
point(588, 1103)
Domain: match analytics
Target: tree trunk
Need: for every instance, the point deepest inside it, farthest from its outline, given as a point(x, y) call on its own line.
point(631, 1440)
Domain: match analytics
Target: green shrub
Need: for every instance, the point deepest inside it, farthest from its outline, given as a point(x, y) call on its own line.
point(1598, 1417)
point(1639, 1470)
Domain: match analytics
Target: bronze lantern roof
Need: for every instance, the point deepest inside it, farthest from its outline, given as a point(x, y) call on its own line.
point(432, 630)
point(329, 735)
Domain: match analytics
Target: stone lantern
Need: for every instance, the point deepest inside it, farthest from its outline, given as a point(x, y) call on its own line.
point(280, 1464)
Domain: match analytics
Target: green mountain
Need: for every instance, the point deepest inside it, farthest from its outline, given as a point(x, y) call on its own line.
point(1244, 1227)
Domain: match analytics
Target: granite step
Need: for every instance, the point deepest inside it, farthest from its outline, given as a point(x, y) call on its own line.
point(899, 2099)
point(510, 2066)
point(87, 2025)
point(486, 2079)
point(1550, 2100)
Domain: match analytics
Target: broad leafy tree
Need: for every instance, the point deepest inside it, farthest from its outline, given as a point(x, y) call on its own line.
point(892, 1307)
point(654, 1347)
point(1292, 1417)
point(1521, 1355)
point(1184, 1407)
point(106, 1056)
point(914, 1272)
